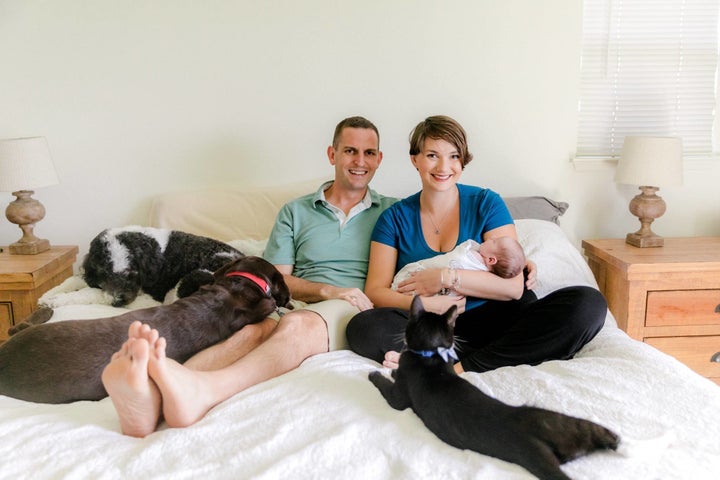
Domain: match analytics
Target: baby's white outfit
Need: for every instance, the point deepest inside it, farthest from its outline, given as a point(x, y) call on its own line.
point(461, 257)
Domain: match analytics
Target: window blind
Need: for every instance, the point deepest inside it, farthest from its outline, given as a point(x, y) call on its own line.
point(649, 67)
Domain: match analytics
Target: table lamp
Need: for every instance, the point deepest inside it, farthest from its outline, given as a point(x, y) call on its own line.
point(650, 162)
point(25, 164)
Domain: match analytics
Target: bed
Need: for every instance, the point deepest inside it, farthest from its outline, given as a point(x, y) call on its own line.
point(326, 420)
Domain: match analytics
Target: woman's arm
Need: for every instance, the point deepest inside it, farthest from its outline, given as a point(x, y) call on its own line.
point(488, 285)
point(381, 271)
point(470, 283)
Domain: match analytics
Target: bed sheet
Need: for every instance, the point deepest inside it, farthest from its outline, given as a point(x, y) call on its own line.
point(326, 420)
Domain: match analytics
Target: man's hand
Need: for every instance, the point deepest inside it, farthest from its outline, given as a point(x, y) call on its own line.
point(313, 292)
point(354, 296)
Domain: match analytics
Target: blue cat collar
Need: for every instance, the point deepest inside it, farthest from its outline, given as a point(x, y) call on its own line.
point(445, 353)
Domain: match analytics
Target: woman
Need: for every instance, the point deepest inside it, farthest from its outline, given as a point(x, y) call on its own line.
point(502, 323)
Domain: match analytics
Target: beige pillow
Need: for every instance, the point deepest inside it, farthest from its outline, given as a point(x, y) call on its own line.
point(226, 214)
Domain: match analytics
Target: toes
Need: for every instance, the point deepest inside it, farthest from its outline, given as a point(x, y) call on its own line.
point(151, 335)
point(138, 350)
point(134, 329)
point(160, 346)
point(144, 331)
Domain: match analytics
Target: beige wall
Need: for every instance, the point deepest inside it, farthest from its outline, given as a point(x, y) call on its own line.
point(138, 98)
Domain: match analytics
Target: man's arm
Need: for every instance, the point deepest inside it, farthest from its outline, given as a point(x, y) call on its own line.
point(313, 292)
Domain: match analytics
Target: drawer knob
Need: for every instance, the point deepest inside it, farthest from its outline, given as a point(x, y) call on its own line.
point(715, 358)
point(717, 309)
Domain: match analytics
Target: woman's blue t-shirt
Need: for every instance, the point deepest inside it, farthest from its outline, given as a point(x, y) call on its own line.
point(400, 227)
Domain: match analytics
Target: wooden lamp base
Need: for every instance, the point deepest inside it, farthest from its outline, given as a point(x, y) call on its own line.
point(637, 240)
point(31, 248)
point(647, 206)
point(26, 212)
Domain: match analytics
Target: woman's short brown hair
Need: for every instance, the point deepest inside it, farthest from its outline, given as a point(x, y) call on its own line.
point(440, 127)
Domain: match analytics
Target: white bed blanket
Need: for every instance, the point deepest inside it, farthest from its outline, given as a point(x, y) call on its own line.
point(325, 420)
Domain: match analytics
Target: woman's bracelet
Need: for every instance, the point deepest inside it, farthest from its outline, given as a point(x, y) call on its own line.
point(443, 290)
point(454, 279)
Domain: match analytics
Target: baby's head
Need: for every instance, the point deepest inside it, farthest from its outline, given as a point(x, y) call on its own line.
point(503, 256)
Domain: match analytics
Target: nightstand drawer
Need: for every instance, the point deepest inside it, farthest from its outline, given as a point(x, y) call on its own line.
point(695, 352)
point(25, 278)
point(683, 307)
point(6, 317)
point(665, 296)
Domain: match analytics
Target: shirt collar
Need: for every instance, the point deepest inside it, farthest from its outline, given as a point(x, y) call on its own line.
point(371, 197)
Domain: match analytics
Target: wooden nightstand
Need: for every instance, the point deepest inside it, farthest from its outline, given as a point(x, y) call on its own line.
point(24, 278)
point(668, 297)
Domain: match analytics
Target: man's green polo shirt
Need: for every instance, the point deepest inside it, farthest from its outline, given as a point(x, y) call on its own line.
point(309, 236)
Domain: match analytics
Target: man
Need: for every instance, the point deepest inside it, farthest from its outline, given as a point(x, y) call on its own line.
point(320, 242)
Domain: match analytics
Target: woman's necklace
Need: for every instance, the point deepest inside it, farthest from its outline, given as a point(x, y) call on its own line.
point(437, 226)
point(442, 220)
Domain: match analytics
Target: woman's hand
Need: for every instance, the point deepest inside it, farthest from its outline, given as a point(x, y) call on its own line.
point(392, 359)
point(423, 282)
point(531, 281)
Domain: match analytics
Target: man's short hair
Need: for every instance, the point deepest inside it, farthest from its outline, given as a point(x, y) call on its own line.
point(353, 122)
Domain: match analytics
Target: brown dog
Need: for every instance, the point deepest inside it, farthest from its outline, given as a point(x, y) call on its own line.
point(61, 362)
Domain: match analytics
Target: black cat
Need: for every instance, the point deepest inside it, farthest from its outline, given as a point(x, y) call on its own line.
point(463, 416)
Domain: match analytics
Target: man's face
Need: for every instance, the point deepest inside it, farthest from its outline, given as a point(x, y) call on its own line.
point(355, 158)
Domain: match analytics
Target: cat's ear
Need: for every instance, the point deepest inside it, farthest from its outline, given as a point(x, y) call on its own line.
point(416, 307)
point(451, 315)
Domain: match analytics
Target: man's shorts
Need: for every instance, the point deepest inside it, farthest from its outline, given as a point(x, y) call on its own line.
point(336, 313)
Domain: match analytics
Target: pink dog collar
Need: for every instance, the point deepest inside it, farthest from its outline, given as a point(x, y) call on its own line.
point(257, 280)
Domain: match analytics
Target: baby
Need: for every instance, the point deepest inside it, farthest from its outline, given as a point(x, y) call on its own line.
point(502, 256)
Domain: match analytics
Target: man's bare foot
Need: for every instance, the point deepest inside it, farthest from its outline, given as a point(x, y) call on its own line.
point(186, 395)
point(135, 397)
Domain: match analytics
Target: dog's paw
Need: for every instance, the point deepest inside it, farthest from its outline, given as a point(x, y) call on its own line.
point(16, 328)
point(84, 296)
point(192, 282)
point(39, 316)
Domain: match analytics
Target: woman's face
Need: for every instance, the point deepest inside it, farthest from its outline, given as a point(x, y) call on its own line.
point(439, 164)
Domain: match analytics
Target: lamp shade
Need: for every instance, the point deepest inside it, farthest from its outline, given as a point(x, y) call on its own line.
point(651, 161)
point(25, 164)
